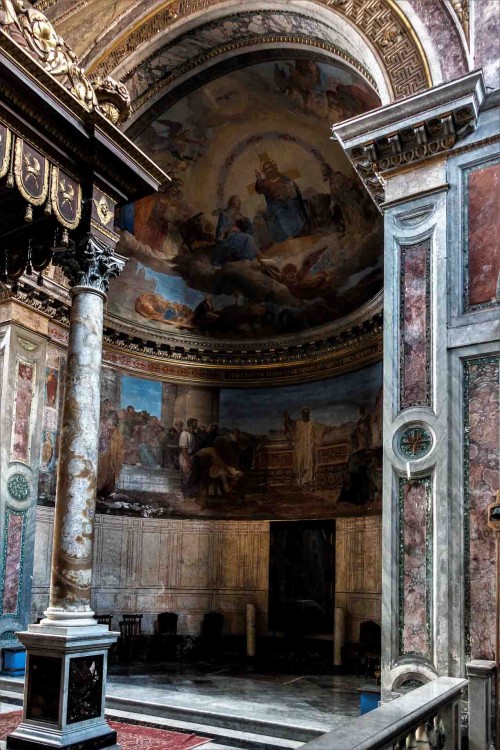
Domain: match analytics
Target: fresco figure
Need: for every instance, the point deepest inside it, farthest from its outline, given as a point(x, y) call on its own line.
point(307, 435)
point(111, 452)
point(234, 234)
point(187, 447)
point(362, 436)
point(51, 386)
point(47, 452)
point(286, 214)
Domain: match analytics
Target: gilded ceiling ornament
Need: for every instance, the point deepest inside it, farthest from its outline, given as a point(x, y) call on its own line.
point(103, 209)
point(461, 8)
point(32, 31)
point(113, 99)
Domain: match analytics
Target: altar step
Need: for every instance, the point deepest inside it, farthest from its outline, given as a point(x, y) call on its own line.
point(226, 732)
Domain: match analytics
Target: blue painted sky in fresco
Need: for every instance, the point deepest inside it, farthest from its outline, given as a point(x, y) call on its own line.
point(143, 395)
point(173, 288)
point(332, 402)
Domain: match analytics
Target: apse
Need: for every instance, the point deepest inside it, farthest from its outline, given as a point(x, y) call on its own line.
point(264, 228)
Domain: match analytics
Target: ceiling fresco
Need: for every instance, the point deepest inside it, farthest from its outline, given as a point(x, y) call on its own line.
point(265, 228)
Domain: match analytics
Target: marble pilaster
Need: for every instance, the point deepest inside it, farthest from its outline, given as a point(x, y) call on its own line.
point(22, 381)
point(427, 178)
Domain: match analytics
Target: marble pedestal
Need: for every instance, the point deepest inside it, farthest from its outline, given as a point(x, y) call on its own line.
point(64, 689)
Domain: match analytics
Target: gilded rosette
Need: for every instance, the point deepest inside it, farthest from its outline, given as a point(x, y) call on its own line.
point(66, 198)
point(31, 171)
point(5, 149)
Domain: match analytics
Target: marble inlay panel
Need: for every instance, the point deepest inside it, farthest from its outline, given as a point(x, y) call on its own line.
point(13, 554)
point(85, 688)
point(481, 481)
point(483, 251)
point(24, 407)
point(415, 325)
point(415, 566)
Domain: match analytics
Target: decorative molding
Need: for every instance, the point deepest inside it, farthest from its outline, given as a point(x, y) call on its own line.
point(314, 355)
point(239, 45)
point(380, 21)
point(403, 135)
point(462, 10)
point(30, 346)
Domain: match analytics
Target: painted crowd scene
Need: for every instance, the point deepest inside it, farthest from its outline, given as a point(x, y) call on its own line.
point(265, 228)
point(299, 451)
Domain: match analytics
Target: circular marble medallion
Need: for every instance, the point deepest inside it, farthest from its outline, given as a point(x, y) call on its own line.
point(415, 442)
point(19, 487)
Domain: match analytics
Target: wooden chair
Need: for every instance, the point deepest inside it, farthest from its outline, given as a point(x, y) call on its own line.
point(211, 635)
point(166, 641)
point(104, 620)
point(130, 640)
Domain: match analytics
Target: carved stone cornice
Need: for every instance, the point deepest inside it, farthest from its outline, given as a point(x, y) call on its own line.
point(351, 347)
point(90, 264)
point(393, 138)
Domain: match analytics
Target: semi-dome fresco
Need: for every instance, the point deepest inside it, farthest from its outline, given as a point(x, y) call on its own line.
point(265, 228)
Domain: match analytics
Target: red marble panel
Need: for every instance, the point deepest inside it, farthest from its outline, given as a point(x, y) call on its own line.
point(482, 463)
point(484, 235)
point(21, 428)
point(415, 385)
point(12, 570)
point(414, 633)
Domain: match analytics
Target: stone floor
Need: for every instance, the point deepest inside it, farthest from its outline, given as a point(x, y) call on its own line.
point(316, 701)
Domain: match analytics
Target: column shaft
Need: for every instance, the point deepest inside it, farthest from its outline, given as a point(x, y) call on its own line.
point(77, 469)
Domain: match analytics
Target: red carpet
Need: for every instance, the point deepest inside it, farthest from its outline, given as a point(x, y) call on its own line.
point(130, 736)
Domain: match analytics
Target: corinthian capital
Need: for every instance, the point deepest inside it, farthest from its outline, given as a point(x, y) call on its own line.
point(91, 263)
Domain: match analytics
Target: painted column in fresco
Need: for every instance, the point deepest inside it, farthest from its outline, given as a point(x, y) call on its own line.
point(89, 269)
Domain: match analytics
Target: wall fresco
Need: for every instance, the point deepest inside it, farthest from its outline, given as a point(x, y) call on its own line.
point(52, 409)
point(482, 464)
point(22, 423)
point(305, 451)
point(264, 228)
point(483, 246)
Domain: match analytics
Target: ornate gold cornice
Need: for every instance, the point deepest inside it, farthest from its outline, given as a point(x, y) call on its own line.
point(349, 349)
point(34, 35)
point(380, 21)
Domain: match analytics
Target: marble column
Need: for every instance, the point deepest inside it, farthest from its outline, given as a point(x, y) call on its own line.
point(67, 652)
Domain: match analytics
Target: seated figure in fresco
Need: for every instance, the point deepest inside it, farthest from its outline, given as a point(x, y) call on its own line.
point(234, 234)
point(286, 212)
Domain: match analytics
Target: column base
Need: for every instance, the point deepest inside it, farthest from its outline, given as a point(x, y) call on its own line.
point(65, 686)
point(26, 738)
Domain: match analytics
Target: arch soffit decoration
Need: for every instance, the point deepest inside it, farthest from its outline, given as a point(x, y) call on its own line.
point(382, 25)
